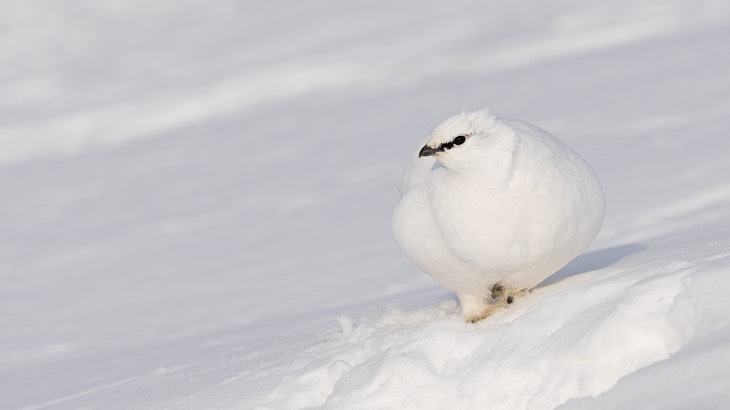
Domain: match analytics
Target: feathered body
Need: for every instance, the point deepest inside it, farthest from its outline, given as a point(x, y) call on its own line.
point(502, 210)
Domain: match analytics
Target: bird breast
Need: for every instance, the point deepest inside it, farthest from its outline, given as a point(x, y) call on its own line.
point(527, 221)
point(477, 222)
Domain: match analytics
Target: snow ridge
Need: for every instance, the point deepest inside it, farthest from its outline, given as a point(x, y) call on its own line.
point(574, 338)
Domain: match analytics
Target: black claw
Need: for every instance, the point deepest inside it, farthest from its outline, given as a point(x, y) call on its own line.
point(497, 290)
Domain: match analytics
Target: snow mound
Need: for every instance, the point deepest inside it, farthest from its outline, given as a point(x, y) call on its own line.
point(575, 338)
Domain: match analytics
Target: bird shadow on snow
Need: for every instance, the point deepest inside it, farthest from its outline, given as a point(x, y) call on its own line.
point(591, 261)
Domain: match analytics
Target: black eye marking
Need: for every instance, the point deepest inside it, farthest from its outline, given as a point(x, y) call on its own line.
point(457, 141)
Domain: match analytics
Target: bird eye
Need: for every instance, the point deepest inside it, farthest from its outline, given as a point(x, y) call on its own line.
point(459, 140)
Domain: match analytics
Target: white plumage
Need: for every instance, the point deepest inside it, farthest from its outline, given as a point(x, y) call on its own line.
point(490, 207)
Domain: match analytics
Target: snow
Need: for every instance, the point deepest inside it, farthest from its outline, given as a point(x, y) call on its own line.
point(196, 204)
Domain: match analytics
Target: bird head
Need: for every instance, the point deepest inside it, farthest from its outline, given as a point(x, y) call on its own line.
point(466, 140)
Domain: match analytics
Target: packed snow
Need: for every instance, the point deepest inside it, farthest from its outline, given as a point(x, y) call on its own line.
point(196, 201)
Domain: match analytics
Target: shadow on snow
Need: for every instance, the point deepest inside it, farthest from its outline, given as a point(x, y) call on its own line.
point(593, 261)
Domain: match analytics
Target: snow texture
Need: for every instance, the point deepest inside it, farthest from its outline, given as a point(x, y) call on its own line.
point(196, 202)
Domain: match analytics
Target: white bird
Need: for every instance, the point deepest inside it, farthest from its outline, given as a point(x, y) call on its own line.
point(490, 207)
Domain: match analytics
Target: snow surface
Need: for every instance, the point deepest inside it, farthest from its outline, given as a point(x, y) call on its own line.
point(196, 204)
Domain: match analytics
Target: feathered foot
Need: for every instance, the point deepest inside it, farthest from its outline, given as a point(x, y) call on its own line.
point(475, 308)
point(501, 293)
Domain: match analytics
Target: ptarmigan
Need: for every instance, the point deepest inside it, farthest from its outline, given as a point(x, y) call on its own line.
point(490, 207)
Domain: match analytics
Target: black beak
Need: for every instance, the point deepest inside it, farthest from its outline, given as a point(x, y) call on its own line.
point(427, 151)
